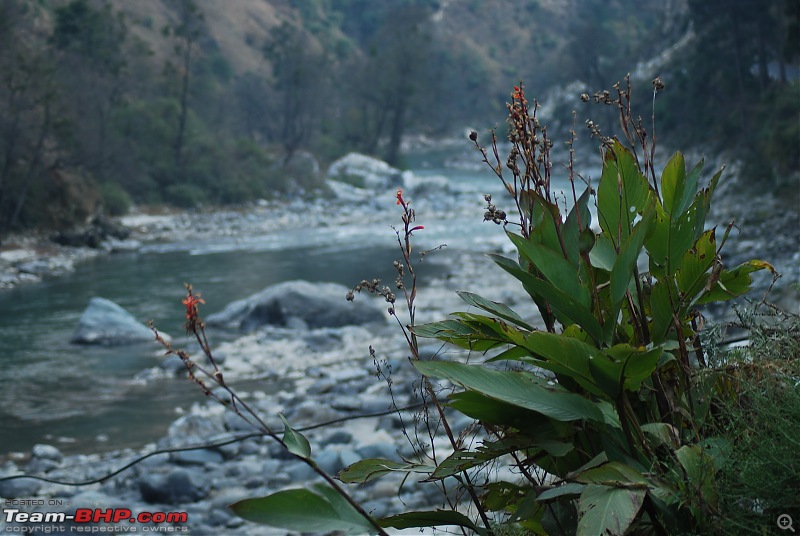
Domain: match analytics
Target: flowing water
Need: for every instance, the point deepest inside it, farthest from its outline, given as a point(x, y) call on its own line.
point(85, 398)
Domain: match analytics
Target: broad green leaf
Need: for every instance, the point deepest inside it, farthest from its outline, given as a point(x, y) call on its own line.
point(489, 410)
point(614, 474)
point(564, 355)
point(496, 308)
point(623, 193)
point(672, 236)
point(515, 353)
point(734, 283)
point(578, 236)
point(544, 216)
point(690, 191)
point(374, 468)
point(663, 304)
point(517, 388)
point(432, 518)
point(666, 434)
point(702, 204)
point(692, 272)
point(639, 366)
point(607, 510)
point(699, 469)
point(603, 255)
point(475, 336)
point(490, 328)
point(554, 267)
point(301, 510)
point(607, 374)
point(673, 184)
point(295, 442)
point(628, 254)
point(461, 460)
point(567, 309)
point(570, 488)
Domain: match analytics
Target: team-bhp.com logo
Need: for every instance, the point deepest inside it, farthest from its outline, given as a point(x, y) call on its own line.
point(90, 520)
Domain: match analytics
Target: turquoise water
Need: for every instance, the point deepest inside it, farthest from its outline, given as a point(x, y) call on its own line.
point(56, 392)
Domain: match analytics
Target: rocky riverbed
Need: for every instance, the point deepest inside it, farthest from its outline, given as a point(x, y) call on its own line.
point(325, 374)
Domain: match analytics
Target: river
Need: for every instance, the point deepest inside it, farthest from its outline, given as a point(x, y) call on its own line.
point(85, 398)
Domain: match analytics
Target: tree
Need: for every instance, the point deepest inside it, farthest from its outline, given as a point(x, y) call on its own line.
point(91, 67)
point(388, 80)
point(187, 31)
point(299, 69)
point(27, 94)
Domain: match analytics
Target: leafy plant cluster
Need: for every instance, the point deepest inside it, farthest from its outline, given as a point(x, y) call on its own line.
point(612, 415)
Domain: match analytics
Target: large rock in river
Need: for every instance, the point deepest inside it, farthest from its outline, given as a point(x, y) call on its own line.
point(297, 304)
point(364, 171)
point(105, 322)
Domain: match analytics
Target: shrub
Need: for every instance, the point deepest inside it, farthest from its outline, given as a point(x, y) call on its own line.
point(115, 199)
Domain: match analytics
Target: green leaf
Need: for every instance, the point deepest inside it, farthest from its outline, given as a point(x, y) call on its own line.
point(554, 267)
point(607, 510)
point(692, 272)
point(489, 410)
point(471, 335)
point(614, 474)
point(603, 255)
point(734, 283)
point(672, 236)
point(578, 238)
point(570, 488)
point(496, 308)
point(461, 460)
point(567, 309)
point(564, 355)
point(295, 442)
point(673, 184)
point(432, 518)
point(301, 510)
point(664, 433)
point(373, 468)
point(628, 254)
point(623, 193)
point(517, 388)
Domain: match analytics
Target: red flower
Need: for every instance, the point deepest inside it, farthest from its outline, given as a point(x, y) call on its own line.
point(519, 94)
point(400, 200)
point(417, 228)
point(191, 301)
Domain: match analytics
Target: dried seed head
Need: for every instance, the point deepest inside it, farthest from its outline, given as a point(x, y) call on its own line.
point(658, 84)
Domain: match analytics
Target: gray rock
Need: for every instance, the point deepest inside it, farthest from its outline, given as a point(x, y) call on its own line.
point(180, 486)
point(329, 461)
point(364, 171)
point(47, 452)
point(197, 457)
point(297, 304)
point(21, 487)
point(194, 428)
point(384, 451)
point(349, 457)
point(105, 322)
point(339, 437)
point(299, 471)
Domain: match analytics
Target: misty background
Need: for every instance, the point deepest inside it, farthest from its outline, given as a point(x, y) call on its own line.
point(206, 102)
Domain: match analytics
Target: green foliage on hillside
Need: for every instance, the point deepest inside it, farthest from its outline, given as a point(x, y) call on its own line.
point(157, 103)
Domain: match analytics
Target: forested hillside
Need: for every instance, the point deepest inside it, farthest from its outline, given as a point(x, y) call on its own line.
point(189, 102)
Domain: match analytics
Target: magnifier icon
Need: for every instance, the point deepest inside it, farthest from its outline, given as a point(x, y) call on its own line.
point(785, 522)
